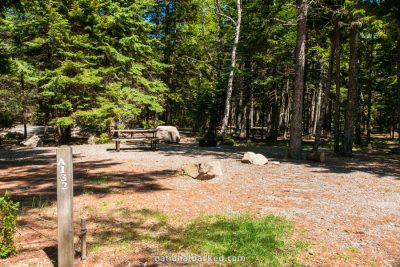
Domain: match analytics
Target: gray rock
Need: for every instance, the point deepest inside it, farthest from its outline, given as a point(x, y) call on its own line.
point(209, 170)
point(274, 162)
point(91, 140)
point(253, 158)
point(168, 134)
point(191, 170)
point(33, 142)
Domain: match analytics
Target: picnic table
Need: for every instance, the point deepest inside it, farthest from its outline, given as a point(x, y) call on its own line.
point(141, 135)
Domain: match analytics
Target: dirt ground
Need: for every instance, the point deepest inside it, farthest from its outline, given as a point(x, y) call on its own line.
point(347, 209)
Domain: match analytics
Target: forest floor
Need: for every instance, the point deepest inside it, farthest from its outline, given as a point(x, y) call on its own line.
point(347, 209)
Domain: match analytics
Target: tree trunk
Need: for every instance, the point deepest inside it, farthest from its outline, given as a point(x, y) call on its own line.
point(337, 93)
point(287, 110)
point(359, 118)
point(232, 71)
point(263, 112)
point(275, 116)
point(369, 100)
point(352, 97)
point(325, 95)
point(169, 26)
point(317, 112)
point(295, 150)
point(398, 83)
point(313, 109)
point(24, 111)
point(251, 106)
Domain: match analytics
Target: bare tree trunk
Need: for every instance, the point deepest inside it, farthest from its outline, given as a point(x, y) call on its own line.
point(275, 115)
point(398, 83)
point(243, 108)
point(295, 149)
point(337, 93)
point(287, 109)
point(352, 97)
point(325, 94)
point(233, 64)
point(251, 106)
point(24, 111)
point(310, 125)
point(263, 118)
point(317, 111)
point(252, 110)
point(369, 100)
point(359, 117)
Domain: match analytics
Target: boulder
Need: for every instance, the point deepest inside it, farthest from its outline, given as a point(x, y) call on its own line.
point(274, 162)
point(209, 170)
point(33, 142)
point(168, 134)
point(91, 140)
point(253, 158)
point(191, 170)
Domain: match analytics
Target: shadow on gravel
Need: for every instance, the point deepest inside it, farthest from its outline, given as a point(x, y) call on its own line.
point(23, 156)
point(378, 164)
point(30, 177)
point(221, 152)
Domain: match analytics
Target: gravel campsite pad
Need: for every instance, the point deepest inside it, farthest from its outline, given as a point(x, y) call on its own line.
point(347, 209)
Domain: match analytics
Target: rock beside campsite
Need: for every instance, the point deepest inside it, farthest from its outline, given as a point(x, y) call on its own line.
point(33, 142)
point(209, 170)
point(91, 140)
point(191, 170)
point(168, 134)
point(253, 158)
point(274, 162)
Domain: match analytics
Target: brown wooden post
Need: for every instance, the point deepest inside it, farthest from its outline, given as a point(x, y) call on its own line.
point(118, 145)
point(83, 239)
point(64, 207)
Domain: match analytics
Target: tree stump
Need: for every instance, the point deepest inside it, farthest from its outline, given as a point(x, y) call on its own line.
point(318, 156)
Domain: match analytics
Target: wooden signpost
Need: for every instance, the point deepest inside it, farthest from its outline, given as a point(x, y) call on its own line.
point(64, 207)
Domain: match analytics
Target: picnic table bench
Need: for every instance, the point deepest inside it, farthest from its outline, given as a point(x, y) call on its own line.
point(143, 135)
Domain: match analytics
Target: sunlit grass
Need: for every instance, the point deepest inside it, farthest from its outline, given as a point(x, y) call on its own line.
point(266, 241)
point(263, 242)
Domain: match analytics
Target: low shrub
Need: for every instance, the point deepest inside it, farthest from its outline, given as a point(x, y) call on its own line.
point(102, 139)
point(8, 219)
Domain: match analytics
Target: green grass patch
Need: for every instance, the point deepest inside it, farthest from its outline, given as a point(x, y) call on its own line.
point(110, 239)
point(263, 242)
point(39, 203)
point(147, 214)
point(101, 180)
point(103, 205)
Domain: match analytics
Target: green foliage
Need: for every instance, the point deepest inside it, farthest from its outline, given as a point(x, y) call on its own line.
point(8, 219)
point(96, 64)
point(94, 60)
point(6, 119)
point(39, 203)
point(13, 136)
point(101, 180)
point(62, 121)
point(103, 139)
point(229, 140)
